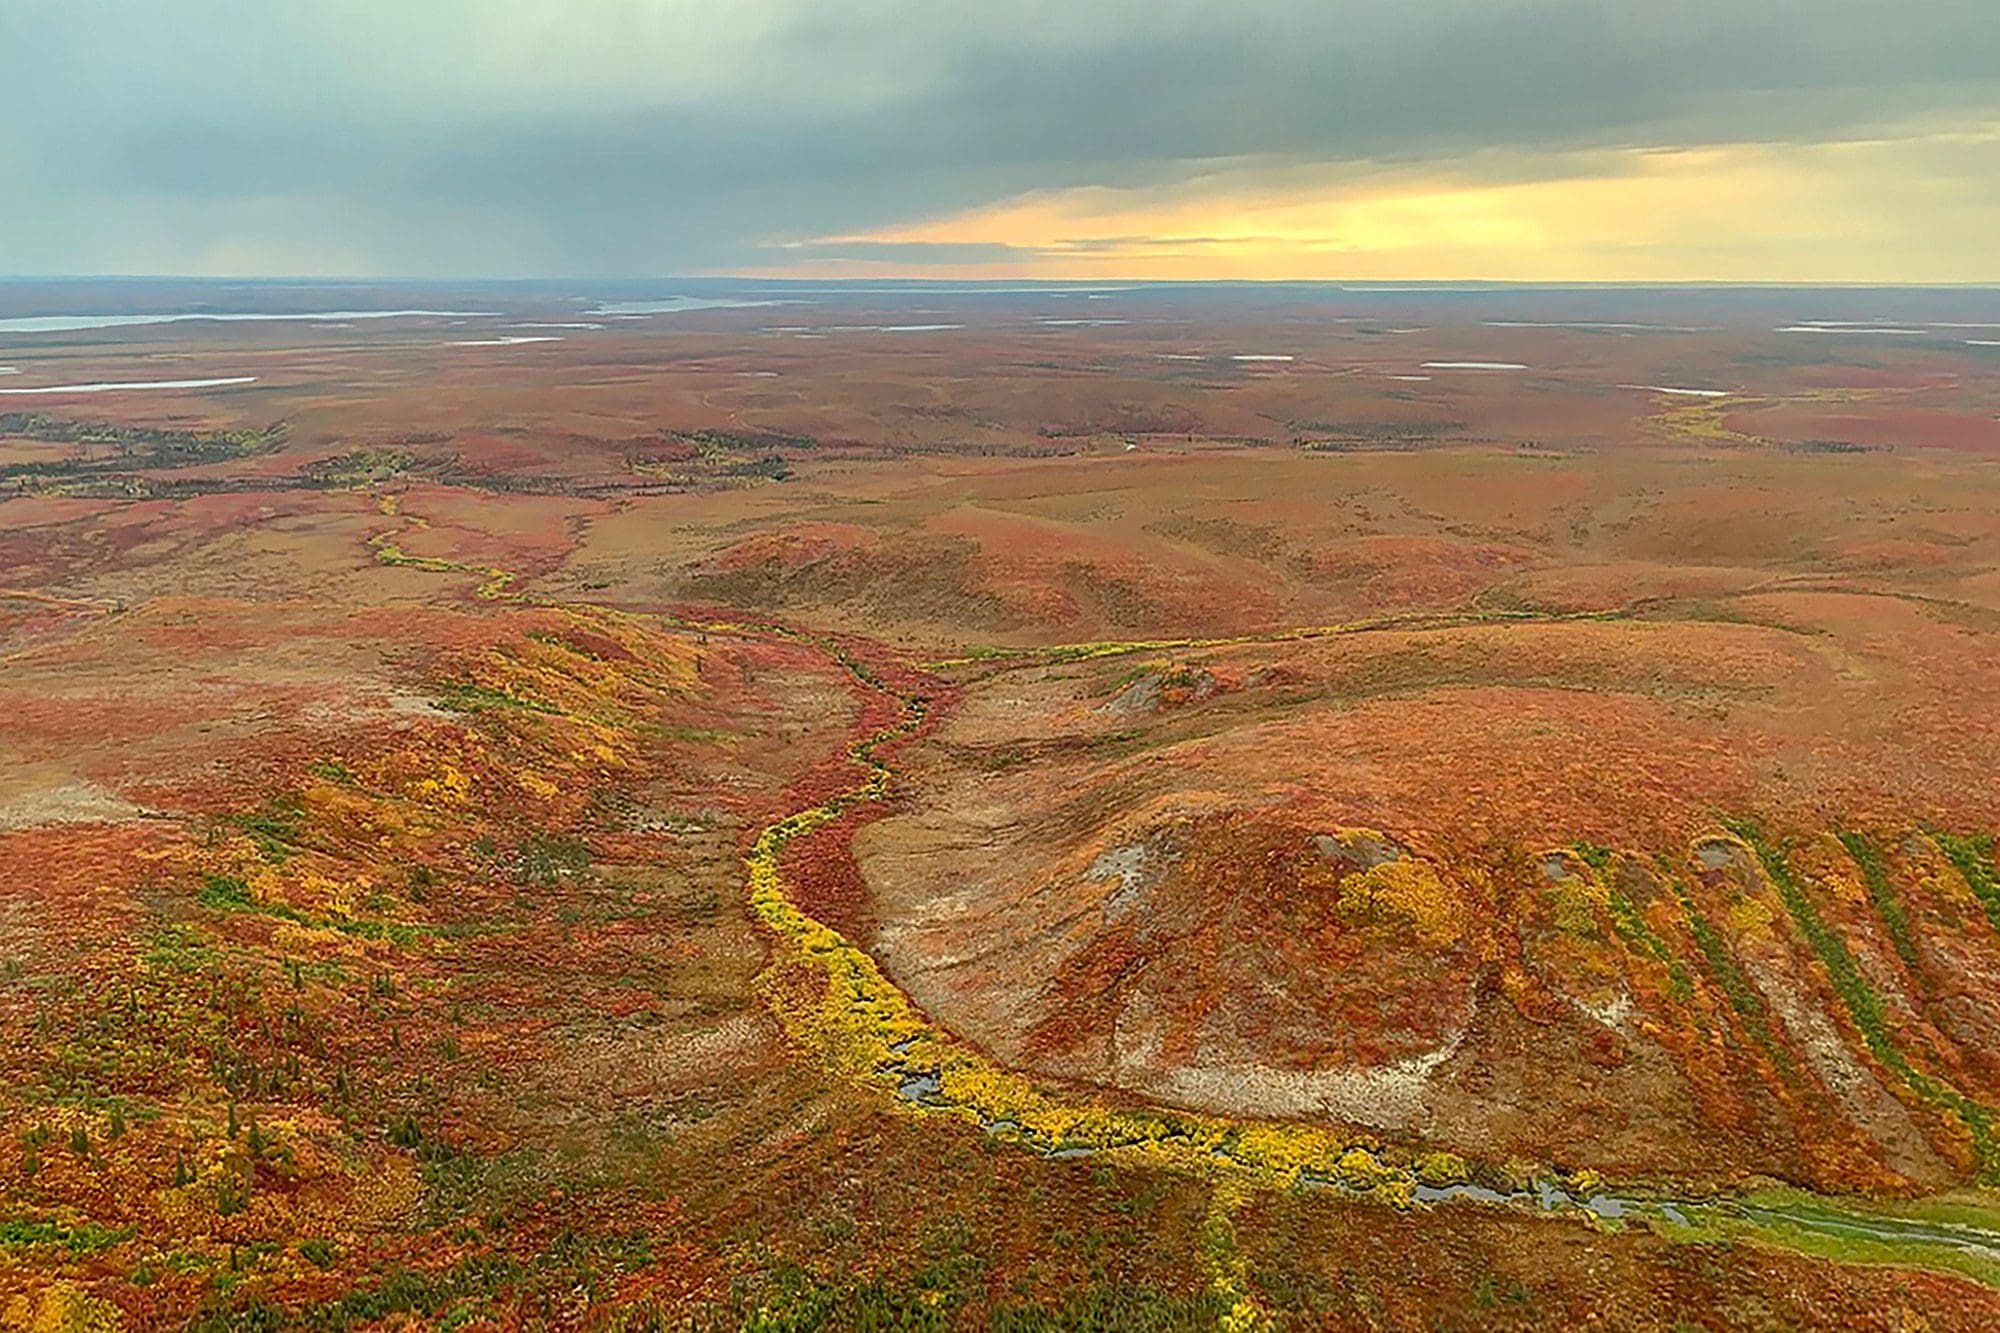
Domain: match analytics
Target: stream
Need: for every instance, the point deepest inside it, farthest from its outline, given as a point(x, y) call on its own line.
point(925, 1088)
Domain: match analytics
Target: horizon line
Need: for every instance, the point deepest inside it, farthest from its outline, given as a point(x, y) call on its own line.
point(1355, 284)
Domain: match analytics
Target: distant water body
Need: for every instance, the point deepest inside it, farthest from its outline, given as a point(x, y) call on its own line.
point(1684, 393)
point(1595, 325)
point(1852, 328)
point(676, 305)
point(137, 385)
point(74, 323)
point(955, 289)
point(821, 330)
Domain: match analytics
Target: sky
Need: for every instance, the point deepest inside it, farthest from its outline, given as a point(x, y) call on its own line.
point(1615, 140)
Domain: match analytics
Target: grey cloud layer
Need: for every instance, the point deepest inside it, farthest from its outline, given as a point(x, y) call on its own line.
point(634, 136)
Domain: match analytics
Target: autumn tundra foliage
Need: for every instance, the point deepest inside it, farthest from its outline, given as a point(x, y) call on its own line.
point(692, 828)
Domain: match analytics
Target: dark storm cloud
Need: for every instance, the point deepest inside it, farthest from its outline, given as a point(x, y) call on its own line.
point(627, 136)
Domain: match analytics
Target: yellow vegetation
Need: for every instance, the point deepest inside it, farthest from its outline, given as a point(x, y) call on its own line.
point(1751, 916)
point(1228, 1270)
point(1406, 890)
point(1576, 899)
point(1702, 423)
point(864, 1027)
point(63, 1308)
point(1440, 1169)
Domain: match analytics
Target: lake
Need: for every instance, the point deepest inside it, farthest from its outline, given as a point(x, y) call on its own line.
point(142, 384)
point(75, 323)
